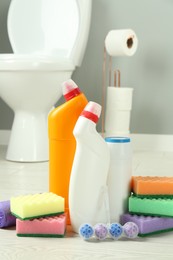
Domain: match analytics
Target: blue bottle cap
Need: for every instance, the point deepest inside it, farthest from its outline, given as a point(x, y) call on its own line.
point(117, 139)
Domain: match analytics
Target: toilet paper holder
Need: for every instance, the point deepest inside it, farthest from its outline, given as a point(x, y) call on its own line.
point(116, 43)
point(117, 74)
point(116, 80)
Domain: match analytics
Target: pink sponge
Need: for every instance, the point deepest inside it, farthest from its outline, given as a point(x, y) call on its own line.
point(42, 227)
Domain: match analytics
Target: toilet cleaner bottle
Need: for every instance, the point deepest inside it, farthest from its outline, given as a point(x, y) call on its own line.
point(62, 144)
point(119, 177)
point(89, 172)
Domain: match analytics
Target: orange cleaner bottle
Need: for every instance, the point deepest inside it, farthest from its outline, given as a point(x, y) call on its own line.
point(62, 143)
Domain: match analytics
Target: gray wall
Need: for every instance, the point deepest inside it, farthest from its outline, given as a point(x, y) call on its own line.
point(149, 71)
point(6, 114)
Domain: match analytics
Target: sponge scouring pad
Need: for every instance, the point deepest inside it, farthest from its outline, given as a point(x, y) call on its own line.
point(42, 227)
point(148, 225)
point(37, 205)
point(150, 206)
point(152, 186)
point(6, 218)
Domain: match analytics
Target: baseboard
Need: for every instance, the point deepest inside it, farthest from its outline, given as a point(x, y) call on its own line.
point(143, 142)
point(152, 142)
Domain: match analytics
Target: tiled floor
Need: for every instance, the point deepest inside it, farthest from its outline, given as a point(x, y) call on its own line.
point(23, 178)
point(33, 177)
point(153, 163)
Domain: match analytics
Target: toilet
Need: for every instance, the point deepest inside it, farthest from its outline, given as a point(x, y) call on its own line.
point(48, 38)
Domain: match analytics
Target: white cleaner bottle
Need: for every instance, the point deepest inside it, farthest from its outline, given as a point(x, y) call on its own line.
point(87, 190)
point(119, 177)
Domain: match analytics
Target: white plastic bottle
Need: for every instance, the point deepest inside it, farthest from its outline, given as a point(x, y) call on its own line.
point(88, 180)
point(119, 177)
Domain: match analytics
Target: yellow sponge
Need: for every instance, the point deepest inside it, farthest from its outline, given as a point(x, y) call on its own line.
point(37, 205)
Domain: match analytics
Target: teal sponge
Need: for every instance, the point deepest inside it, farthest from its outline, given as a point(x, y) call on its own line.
point(151, 206)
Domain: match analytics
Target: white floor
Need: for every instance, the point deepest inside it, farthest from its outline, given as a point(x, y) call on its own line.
point(24, 178)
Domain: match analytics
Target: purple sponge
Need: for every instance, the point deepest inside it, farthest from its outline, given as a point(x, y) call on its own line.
point(6, 218)
point(149, 225)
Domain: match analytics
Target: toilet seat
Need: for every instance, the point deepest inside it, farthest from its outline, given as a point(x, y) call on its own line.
point(22, 10)
point(34, 62)
point(43, 26)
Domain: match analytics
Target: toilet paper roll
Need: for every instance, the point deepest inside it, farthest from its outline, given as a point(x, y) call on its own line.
point(118, 111)
point(117, 122)
point(121, 42)
point(117, 134)
point(119, 98)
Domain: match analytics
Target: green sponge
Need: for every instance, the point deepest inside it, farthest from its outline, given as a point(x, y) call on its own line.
point(151, 206)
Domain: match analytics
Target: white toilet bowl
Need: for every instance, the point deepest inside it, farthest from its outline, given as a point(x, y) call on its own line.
point(30, 79)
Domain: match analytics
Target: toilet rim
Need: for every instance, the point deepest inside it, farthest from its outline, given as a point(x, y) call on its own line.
point(34, 62)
